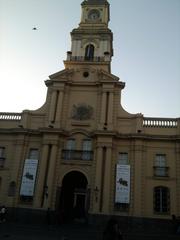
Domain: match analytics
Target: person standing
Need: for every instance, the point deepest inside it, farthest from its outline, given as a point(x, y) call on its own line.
point(112, 231)
point(3, 213)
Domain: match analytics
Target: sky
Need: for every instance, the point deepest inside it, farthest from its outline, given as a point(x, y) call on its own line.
point(146, 52)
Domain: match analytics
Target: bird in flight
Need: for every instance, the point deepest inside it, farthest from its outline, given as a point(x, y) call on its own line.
point(34, 28)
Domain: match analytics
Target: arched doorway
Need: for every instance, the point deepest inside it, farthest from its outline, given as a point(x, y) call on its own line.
point(73, 199)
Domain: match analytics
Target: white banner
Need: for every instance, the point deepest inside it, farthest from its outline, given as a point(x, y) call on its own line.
point(29, 177)
point(122, 184)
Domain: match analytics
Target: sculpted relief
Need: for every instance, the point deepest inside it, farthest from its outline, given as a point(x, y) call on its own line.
point(82, 111)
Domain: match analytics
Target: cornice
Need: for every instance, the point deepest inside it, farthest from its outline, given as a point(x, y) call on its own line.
point(20, 130)
point(99, 31)
point(94, 2)
point(140, 136)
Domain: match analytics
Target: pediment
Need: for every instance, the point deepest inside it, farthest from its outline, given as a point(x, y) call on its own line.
point(65, 74)
point(107, 77)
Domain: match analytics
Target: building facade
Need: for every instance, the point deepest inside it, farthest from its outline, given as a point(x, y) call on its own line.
point(81, 154)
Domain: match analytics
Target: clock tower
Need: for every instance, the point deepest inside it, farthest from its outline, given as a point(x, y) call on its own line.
point(92, 40)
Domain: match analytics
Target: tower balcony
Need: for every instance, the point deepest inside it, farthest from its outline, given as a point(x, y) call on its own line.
point(96, 59)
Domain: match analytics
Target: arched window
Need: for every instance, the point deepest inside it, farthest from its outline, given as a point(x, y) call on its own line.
point(89, 52)
point(161, 199)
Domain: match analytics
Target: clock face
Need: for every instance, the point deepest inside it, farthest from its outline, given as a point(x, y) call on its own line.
point(94, 14)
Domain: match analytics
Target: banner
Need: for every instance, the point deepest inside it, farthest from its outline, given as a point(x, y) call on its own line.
point(29, 177)
point(122, 184)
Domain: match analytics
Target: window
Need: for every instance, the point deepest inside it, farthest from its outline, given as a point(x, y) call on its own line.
point(89, 52)
point(71, 144)
point(87, 147)
point(160, 168)
point(33, 153)
point(161, 200)
point(123, 158)
point(2, 156)
point(70, 148)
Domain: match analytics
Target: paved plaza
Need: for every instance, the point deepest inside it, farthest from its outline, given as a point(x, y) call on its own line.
point(20, 231)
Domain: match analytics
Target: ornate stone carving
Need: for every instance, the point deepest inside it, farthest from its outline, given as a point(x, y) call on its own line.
point(82, 111)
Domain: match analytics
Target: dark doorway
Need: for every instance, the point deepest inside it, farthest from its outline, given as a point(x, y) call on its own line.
point(73, 196)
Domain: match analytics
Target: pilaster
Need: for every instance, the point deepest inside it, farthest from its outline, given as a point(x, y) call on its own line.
point(40, 186)
point(137, 184)
point(50, 176)
point(52, 106)
point(59, 108)
point(98, 179)
point(110, 110)
point(107, 180)
point(103, 108)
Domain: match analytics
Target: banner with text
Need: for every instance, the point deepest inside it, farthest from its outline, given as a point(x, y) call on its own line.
point(29, 177)
point(122, 184)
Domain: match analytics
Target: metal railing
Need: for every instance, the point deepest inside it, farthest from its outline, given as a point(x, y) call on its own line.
point(77, 155)
point(161, 171)
point(88, 59)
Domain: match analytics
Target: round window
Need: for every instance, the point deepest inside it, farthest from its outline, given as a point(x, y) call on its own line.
point(85, 74)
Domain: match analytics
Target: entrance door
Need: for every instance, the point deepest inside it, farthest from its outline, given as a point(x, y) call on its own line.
point(80, 197)
point(73, 196)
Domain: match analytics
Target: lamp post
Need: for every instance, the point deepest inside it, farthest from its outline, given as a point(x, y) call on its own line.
point(46, 191)
point(96, 193)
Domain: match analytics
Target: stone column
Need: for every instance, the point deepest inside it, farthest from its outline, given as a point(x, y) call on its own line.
point(107, 181)
point(103, 108)
point(19, 157)
point(110, 108)
point(59, 108)
point(17, 168)
point(41, 177)
point(97, 186)
point(52, 107)
point(138, 205)
point(50, 176)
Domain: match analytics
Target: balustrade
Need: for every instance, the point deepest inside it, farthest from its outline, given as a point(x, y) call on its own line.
point(160, 122)
point(10, 116)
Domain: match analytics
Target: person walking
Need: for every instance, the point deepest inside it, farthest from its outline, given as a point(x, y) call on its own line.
point(112, 231)
point(3, 212)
